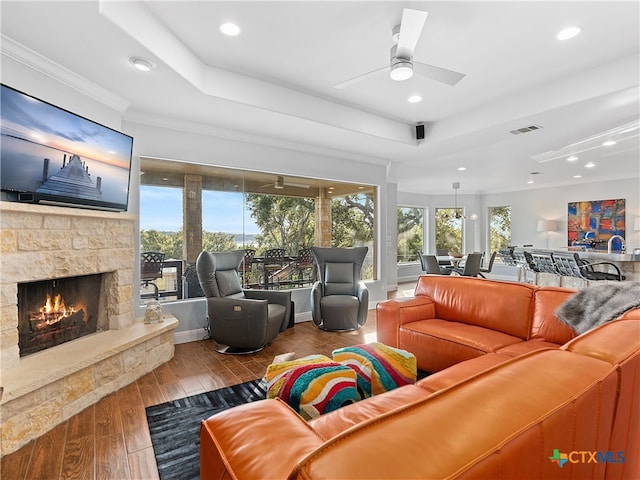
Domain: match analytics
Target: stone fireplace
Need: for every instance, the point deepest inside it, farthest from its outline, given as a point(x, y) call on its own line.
point(41, 248)
point(53, 312)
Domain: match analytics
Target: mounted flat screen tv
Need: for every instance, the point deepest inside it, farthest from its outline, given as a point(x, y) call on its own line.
point(50, 155)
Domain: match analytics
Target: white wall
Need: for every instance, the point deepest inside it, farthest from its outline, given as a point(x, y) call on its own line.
point(529, 206)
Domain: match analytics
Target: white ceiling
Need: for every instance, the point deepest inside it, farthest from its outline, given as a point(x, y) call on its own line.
point(275, 80)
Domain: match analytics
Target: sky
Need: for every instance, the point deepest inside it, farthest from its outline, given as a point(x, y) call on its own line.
point(161, 209)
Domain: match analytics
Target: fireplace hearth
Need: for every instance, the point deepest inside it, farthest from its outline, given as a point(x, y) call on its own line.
point(53, 312)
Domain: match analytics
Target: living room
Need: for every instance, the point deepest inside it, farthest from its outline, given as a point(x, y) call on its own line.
point(321, 138)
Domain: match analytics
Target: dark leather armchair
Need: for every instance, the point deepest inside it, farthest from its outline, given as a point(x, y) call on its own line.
point(339, 300)
point(240, 321)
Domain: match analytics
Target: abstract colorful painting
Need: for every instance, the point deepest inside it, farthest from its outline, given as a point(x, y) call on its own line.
point(595, 222)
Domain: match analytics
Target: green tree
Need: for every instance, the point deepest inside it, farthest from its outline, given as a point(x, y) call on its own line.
point(449, 229)
point(352, 220)
point(169, 243)
point(410, 233)
point(218, 242)
point(285, 222)
point(499, 228)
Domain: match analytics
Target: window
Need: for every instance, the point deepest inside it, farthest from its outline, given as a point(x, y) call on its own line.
point(410, 233)
point(499, 228)
point(449, 229)
point(186, 208)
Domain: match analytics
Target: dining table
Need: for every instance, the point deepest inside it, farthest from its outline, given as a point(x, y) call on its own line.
point(455, 261)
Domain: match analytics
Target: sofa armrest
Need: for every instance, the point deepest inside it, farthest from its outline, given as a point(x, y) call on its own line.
point(263, 439)
point(391, 314)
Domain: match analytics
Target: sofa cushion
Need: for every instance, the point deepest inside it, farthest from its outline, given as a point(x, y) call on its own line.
point(611, 342)
point(439, 343)
point(500, 306)
point(546, 325)
point(521, 348)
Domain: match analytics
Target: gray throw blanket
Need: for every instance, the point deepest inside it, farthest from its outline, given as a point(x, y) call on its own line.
point(598, 304)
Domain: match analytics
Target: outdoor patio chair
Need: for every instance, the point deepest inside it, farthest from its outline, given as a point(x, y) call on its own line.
point(151, 264)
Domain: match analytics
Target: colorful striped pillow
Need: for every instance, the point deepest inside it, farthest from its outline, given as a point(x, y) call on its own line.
point(312, 385)
point(380, 368)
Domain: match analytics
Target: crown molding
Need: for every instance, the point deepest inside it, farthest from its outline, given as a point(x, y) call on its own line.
point(39, 63)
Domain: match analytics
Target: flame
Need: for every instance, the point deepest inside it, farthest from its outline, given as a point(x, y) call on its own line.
point(52, 311)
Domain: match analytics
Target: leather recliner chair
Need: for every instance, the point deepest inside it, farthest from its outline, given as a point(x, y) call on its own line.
point(240, 321)
point(339, 300)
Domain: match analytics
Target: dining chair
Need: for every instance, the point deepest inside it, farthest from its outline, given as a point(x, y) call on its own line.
point(490, 266)
point(432, 266)
point(471, 267)
point(443, 252)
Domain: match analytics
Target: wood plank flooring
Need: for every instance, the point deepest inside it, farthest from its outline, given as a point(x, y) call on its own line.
point(110, 440)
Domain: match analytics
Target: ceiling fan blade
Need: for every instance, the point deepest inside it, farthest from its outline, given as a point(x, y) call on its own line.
point(297, 185)
point(410, 31)
point(437, 73)
point(353, 80)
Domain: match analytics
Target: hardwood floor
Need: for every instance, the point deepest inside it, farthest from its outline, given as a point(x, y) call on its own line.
point(110, 440)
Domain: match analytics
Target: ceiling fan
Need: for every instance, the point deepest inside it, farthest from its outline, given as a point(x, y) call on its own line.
point(279, 184)
point(401, 66)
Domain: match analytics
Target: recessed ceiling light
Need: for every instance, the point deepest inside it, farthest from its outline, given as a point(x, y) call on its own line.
point(577, 176)
point(414, 99)
point(230, 29)
point(530, 181)
point(568, 33)
point(608, 143)
point(589, 165)
point(142, 64)
point(462, 169)
point(572, 158)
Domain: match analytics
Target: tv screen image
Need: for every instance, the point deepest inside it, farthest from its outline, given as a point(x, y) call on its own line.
point(48, 154)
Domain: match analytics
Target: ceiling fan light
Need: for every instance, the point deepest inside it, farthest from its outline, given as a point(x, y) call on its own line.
point(401, 71)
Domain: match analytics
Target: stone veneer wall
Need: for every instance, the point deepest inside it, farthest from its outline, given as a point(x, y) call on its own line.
point(39, 242)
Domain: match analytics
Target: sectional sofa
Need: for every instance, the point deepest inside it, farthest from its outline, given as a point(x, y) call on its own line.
point(514, 394)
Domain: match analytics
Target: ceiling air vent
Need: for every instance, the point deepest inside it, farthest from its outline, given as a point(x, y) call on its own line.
point(529, 128)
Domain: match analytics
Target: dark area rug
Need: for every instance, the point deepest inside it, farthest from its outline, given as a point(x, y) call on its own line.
point(175, 426)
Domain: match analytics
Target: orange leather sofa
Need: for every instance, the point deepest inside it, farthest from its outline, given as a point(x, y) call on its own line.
point(453, 319)
point(516, 415)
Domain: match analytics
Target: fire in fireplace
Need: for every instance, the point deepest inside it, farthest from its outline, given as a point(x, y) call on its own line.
point(52, 312)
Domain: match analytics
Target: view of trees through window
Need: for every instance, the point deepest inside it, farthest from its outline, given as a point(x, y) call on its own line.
point(449, 229)
point(499, 228)
point(241, 220)
point(410, 233)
